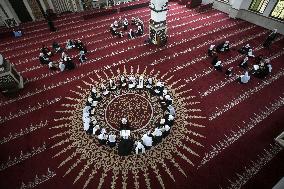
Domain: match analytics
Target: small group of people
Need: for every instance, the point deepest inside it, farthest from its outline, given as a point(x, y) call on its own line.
point(120, 28)
point(65, 62)
point(261, 68)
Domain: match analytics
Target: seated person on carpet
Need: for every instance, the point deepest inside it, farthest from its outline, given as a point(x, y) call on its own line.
point(211, 50)
point(43, 59)
point(61, 66)
point(111, 140)
point(69, 65)
point(162, 123)
point(104, 90)
point(250, 53)
point(17, 33)
point(95, 95)
point(53, 65)
point(133, 21)
point(149, 83)
point(46, 51)
point(223, 47)
point(80, 46)
point(103, 136)
point(157, 136)
point(132, 82)
point(245, 78)
point(96, 130)
point(125, 24)
point(229, 72)
point(112, 85)
point(169, 120)
point(124, 124)
point(215, 60)
point(165, 130)
point(131, 34)
point(218, 65)
point(171, 110)
point(139, 149)
point(120, 34)
point(147, 141)
point(115, 24)
point(139, 31)
point(56, 47)
point(64, 55)
point(125, 146)
point(82, 57)
point(263, 69)
point(70, 44)
point(159, 88)
point(245, 49)
point(244, 63)
point(165, 101)
point(122, 82)
point(140, 82)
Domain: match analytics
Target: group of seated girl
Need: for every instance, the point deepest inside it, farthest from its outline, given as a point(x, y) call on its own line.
point(65, 62)
point(119, 28)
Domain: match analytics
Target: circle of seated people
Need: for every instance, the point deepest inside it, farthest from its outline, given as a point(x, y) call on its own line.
point(260, 68)
point(46, 55)
point(120, 28)
point(122, 139)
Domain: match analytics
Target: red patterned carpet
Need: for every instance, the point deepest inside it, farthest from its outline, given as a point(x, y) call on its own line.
point(224, 132)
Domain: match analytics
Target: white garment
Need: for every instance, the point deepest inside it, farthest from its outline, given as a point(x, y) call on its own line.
point(138, 147)
point(150, 83)
point(61, 66)
point(171, 110)
point(97, 127)
point(245, 78)
point(157, 132)
point(132, 82)
point(111, 138)
point(141, 82)
point(124, 134)
point(147, 140)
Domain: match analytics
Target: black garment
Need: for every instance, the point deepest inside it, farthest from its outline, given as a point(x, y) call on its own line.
point(56, 47)
point(125, 147)
point(43, 60)
point(221, 46)
point(215, 60)
point(269, 40)
point(157, 140)
point(51, 26)
point(228, 72)
point(111, 144)
point(244, 50)
point(83, 58)
point(244, 64)
point(45, 51)
point(124, 126)
point(69, 65)
point(211, 52)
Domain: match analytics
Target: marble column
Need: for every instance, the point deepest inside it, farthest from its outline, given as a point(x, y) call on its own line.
point(158, 22)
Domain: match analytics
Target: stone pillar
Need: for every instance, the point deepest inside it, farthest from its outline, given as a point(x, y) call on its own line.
point(29, 9)
point(158, 22)
point(35, 9)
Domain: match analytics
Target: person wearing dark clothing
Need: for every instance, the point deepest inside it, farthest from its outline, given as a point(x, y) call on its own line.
point(272, 36)
point(69, 65)
point(45, 51)
point(215, 60)
point(56, 47)
point(245, 49)
point(51, 25)
point(43, 59)
point(223, 47)
point(229, 72)
point(211, 50)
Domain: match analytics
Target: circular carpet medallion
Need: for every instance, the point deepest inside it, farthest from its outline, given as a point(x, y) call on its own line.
point(94, 163)
point(136, 108)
